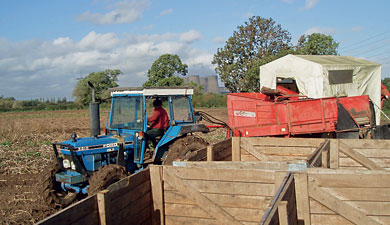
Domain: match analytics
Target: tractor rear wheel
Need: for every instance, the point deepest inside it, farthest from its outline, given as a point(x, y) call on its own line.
point(51, 190)
point(106, 176)
point(183, 147)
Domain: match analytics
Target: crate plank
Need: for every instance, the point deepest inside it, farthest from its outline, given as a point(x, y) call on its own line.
point(224, 200)
point(193, 173)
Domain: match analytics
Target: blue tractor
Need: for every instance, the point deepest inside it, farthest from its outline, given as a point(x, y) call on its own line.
point(84, 166)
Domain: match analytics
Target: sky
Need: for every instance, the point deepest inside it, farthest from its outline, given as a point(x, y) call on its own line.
point(46, 45)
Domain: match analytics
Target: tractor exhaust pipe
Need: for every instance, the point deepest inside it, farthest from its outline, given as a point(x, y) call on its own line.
point(94, 114)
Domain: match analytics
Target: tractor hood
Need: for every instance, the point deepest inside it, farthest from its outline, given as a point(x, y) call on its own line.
point(100, 144)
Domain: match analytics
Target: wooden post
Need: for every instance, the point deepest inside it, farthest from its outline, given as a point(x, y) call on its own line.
point(334, 154)
point(156, 173)
point(302, 197)
point(325, 159)
point(282, 213)
point(236, 149)
point(104, 207)
point(210, 153)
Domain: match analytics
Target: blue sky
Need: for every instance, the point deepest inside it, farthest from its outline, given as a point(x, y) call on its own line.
point(46, 45)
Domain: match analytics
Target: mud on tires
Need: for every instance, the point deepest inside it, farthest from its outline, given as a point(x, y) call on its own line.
point(106, 176)
point(51, 190)
point(182, 147)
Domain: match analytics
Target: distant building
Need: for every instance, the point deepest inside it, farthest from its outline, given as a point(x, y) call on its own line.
point(209, 83)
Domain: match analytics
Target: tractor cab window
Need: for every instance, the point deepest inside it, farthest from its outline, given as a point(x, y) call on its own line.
point(127, 113)
point(181, 109)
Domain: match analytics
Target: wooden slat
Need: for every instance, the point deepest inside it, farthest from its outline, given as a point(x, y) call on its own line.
point(287, 142)
point(236, 149)
point(359, 157)
point(192, 193)
point(367, 143)
point(193, 211)
point(334, 154)
point(157, 194)
point(302, 197)
point(319, 219)
point(249, 158)
point(349, 162)
point(104, 207)
point(223, 200)
point(210, 153)
point(340, 207)
point(285, 151)
point(189, 220)
point(225, 187)
point(282, 213)
point(374, 153)
point(372, 208)
point(361, 194)
point(231, 175)
point(351, 180)
point(239, 165)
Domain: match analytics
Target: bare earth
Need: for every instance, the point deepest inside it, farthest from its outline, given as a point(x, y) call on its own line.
point(25, 149)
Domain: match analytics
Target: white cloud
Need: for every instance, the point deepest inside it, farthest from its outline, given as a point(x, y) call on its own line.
point(322, 30)
point(33, 69)
point(166, 12)
point(310, 4)
point(190, 36)
point(122, 12)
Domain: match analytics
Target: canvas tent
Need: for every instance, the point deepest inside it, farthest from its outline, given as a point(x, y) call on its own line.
point(326, 76)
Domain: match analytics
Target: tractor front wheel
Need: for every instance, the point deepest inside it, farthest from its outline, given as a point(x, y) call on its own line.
point(51, 192)
point(182, 147)
point(106, 176)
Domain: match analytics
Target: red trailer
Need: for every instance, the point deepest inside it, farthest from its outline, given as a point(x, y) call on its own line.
point(283, 114)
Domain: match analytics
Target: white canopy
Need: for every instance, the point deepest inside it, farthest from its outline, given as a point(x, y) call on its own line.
point(326, 76)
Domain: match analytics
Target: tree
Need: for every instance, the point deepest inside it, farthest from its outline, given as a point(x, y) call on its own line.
point(255, 43)
point(101, 80)
point(317, 44)
point(163, 70)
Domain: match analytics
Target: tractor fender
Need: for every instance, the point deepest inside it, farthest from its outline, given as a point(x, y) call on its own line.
point(175, 132)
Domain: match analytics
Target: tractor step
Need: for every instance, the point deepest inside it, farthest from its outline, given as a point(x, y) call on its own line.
point(68, 178)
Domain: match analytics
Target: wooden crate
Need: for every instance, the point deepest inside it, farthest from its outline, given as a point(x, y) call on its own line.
point(353, 154)
point(129, 201)
point(328, 197)
point(273, 149)
point(202, 194)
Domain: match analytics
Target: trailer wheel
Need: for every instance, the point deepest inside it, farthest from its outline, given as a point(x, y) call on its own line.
point(182, 147)
point(51, 190)
point(106, 176)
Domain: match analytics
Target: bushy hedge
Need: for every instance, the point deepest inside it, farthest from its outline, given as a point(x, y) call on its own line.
point(209, 100)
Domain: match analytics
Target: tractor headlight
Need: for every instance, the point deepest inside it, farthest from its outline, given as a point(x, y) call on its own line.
point(66, 163)
point(72, 166)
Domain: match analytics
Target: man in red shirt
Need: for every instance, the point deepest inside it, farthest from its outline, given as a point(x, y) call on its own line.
point(159, 121)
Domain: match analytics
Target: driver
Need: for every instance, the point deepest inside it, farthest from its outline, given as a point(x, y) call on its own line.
point(159, 121)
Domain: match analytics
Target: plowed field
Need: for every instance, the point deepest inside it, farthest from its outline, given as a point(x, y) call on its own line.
point(25, 149)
